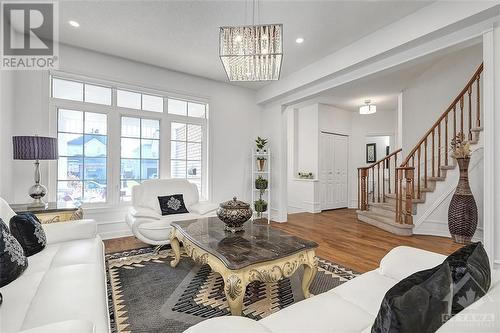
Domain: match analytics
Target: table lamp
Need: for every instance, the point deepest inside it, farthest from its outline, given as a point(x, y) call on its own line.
point(35, 148)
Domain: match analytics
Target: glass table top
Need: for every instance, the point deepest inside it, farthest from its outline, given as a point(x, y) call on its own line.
point(257, 243)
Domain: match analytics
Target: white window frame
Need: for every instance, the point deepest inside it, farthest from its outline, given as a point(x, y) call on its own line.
point(114, 114)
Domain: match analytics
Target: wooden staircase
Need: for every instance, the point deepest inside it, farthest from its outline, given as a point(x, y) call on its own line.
point(389, 194)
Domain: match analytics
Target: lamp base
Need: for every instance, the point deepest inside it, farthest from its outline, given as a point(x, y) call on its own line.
point(37, 192)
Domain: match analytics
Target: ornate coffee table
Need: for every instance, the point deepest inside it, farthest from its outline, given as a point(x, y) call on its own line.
point(260, 253)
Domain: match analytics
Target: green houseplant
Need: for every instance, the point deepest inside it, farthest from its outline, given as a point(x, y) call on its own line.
point(260, 207)
point(261, 183)
point(260, 143)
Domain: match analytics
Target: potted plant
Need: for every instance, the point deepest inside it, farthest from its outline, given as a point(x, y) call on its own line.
point(261, 183)
point(261, 163)
point(261, 143)
point(462, 213)
point(260, 206)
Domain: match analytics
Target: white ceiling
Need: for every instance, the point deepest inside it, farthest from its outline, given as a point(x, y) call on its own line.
point(183, 35)
point(383, 88)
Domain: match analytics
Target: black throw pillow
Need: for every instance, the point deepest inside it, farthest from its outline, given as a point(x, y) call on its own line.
point(27, 229)
point(13, 262)
point(420, 303)
point(172, 204)
point(471, 274)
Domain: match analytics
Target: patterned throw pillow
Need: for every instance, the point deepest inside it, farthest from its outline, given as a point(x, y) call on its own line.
point(471, 273)
point(172, 204)
point(29, 232)
point(13, 262)
point(420, 303)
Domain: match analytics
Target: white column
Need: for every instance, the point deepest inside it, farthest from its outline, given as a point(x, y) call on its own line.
point(399, 129)
point(491, 124)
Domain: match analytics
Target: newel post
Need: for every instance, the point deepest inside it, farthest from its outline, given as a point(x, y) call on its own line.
point(408, 211)
point(363, 189)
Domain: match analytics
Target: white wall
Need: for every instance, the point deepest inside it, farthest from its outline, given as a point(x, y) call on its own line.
point(311, 120)
point(6, 112)
point(306, 139)
point(384, 122)
point(430, 94)
point(233, 122)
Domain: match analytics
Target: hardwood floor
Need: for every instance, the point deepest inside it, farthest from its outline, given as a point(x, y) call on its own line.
point(341, 238)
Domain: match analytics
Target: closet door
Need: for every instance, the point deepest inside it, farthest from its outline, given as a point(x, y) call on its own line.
point(333, 170)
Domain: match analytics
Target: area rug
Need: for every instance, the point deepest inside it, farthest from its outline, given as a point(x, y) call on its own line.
point(147, 295)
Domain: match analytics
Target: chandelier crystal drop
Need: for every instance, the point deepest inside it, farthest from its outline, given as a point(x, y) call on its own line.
point(252, 53)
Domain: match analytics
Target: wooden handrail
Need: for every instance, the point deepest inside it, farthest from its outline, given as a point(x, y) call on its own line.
point(379, 173)
point(407, 187)
point(382, 159)
point(450, 108)
point(406, 177)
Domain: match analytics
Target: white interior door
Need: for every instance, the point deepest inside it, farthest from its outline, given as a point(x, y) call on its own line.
point(333, 170)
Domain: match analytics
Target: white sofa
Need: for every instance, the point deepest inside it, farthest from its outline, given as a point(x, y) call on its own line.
point(353, 306)
point(144, 217)
point(64, 287)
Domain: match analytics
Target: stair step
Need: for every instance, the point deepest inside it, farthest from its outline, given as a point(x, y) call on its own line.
point(392, 196)
point(447, 167)
point(385, 223)
point(438, 179)
point(383, 209)
point(477, 129)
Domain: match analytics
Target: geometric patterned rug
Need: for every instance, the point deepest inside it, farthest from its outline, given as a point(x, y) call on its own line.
point(145, 294)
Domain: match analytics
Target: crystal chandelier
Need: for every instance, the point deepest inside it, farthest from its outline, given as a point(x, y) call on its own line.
point(252, 53)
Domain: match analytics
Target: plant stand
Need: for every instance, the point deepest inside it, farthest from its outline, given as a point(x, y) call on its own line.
point(257, 193)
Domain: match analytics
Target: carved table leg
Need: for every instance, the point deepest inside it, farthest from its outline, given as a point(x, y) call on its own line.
point(235, 288)
point(174, 242)
point(310, 270)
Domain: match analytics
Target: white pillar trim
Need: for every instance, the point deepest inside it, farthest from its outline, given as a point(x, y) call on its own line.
point(491, 164)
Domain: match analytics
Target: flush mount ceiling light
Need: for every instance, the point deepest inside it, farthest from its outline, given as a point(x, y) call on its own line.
point(251, 52)
point(299, 40)
point(368, 108)
point(74, 24)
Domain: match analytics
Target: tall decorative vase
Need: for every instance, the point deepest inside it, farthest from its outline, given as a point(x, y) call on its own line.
point(462, 213)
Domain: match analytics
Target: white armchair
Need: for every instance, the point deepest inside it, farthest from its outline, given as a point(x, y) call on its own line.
point(144, 217)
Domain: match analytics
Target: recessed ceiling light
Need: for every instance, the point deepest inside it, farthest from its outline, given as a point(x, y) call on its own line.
point(299, 40)
point(74, 24)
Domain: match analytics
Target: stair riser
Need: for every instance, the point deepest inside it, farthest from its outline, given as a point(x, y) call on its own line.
point(386, 227)
point(392, 201)
point(382, 211)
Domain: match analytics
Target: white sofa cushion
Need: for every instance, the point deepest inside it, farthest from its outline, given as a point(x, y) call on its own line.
point(403, 261)
point(17, 297)
point(366, 290)
point(73, 326)
point(203, 208)
point(64, 282)
point(82, 251)
point(231, 324)
point(146, 194)
point(327, 312)
point(159, 230)
point(70, 293)
point(71, 230)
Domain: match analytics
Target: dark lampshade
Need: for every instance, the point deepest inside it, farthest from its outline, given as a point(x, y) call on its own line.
point(34, 148)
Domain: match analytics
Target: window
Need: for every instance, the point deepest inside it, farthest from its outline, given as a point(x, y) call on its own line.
point(138, 101)
point(140, 153)
point(82, 164)
point(87, 169)
point(79, 91)
point(186, 152)
point(184, 108)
